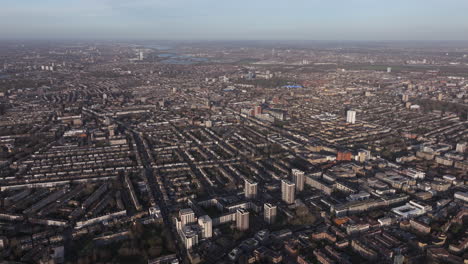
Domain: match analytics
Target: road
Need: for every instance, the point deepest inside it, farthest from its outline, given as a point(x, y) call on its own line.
point(156, 189)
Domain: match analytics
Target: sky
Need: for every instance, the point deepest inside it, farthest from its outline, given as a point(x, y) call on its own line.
point(362, 20)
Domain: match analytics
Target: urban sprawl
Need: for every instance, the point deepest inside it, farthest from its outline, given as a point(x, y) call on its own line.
point(118, 152)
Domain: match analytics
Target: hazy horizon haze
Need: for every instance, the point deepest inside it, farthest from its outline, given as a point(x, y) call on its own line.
point(358, 20)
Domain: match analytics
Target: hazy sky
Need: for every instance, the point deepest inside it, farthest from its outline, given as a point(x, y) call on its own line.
point(236, 19)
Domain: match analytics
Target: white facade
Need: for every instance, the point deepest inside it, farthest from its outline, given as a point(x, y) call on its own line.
point(189, 237)
point(269, 213)
point(461, 147)
point(415, 174)
point(250, 189)
point(351, 117)
point(299, 178)
point(363, 155)
point(287, 191)
point(461, 196)
point(242, 219)
point(206, 225)
point(187, 216)
point(411, 209)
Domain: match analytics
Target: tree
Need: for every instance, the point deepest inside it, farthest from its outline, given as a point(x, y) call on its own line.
point(456, 228)
point(169, 242)
point(303, 217)
point(155, 251)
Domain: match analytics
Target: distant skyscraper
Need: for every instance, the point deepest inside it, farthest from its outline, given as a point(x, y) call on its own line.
point(351, 116)
point(389, 69)
point(206, 225)
point(269, 213)
point(298, 178)
point(242, 219)
point(288, 191)
point(250, 189)
point(141, 56)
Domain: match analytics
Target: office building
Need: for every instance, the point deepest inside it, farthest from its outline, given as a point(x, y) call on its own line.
point(250, 189)
point(242, 219)
point(269, 213)
point(298, 179)
point(288, 191)
point(351, 117)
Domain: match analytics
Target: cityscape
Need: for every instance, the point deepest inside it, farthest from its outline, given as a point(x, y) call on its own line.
point(125, 150)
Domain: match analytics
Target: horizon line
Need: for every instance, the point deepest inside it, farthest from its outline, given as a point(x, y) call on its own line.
point(230, 40)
